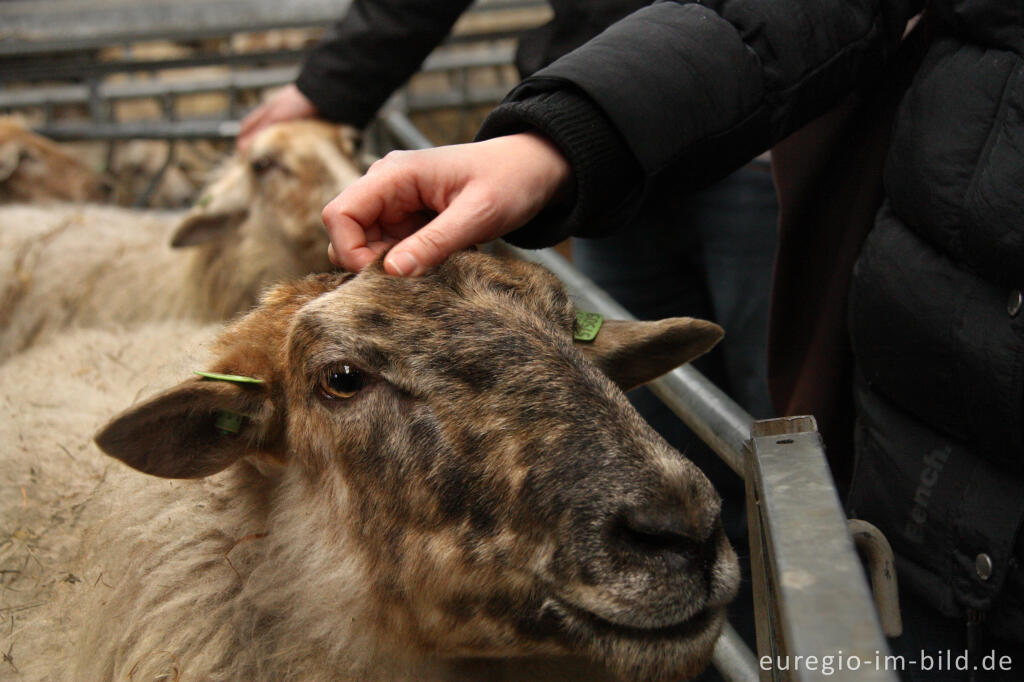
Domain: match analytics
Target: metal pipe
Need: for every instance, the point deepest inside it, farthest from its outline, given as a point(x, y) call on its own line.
point(811, 595)
point(404, 131)
point(147, 130)
point(71, 68)
point(733, 659)
point(253, 79)
point(877, 553)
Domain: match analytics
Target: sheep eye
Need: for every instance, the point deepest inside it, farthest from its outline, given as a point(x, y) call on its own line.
point(341, 382)
point(262, 164)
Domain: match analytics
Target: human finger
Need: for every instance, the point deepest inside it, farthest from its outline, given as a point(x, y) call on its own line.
point(360, 246)
point(469, 220)
point(376, 202)
point(253, 122)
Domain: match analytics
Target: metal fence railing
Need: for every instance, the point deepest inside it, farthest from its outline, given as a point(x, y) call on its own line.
point(52, 27)
point(50, 60)
point(112, 71)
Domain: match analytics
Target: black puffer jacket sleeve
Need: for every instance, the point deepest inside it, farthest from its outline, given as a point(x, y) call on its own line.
point(694, 90)
point(375, 48)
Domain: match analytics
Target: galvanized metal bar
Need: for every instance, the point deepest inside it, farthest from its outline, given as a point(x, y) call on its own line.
point(877, 553)
point(403, 130)
point(48, 97)
point(216, 128)
point(252, 79)
point(147, 194)
point(498, 55)
point(732, 658)
point(505, 5)
point(817, 602)
point(76, 94)
point(143, 130)
point(766, 618)
point(490, 34)
point(454, 100)
point(43, 96)
point(51, 69)
point(74, 67)
point(97, 109)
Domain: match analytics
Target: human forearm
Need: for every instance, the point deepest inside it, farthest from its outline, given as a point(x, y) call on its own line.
point(606, 178)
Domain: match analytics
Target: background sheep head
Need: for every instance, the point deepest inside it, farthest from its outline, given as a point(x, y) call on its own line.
point(281, 182)
point(488, 489)
point(259, 221)
point(33, 168)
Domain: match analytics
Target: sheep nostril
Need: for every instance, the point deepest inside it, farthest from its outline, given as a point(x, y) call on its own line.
point(650, 532)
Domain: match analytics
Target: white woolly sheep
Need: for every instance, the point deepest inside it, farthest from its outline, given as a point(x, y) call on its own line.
point(432, 482)
point(259, 222)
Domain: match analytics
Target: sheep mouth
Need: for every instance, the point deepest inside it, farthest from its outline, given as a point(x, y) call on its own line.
point(598, 627)
point(645, 654)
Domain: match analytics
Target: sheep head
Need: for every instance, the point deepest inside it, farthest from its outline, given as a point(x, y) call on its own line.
point(273, 193)
point(33, 168)
point(503, 495)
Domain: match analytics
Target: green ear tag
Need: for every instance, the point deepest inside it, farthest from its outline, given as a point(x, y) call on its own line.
point(228, 422)
point(204, 200)
point(587, 326)
point(233, 378)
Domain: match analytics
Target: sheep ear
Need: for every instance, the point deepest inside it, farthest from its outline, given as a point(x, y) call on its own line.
point(193, 430)
point(10, 157)
point(349, 139)
point(219, 210)
point(633, 353)
point(202, 226)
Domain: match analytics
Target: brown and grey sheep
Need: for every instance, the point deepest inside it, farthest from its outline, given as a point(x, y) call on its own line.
point(431, 482)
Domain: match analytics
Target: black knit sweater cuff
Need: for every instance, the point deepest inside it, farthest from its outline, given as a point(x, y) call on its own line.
point(608, 179)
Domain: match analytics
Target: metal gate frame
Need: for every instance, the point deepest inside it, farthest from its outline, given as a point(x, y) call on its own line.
point(38, 42)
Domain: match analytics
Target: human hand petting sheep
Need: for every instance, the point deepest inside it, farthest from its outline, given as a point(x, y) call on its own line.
point(426, 205)
point(288, 104)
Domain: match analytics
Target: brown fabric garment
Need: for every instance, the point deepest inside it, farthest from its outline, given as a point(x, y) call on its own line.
point(829, 179)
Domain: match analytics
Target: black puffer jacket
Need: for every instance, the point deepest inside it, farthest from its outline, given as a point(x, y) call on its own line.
point(379, 44)
point(687, 91)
